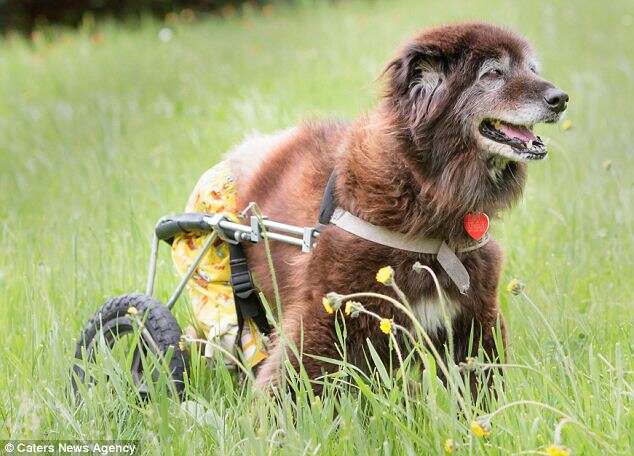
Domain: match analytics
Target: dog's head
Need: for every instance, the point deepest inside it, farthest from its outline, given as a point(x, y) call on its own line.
point(472, 89)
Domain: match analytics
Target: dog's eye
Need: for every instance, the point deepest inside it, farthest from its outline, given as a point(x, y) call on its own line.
point(493, 73)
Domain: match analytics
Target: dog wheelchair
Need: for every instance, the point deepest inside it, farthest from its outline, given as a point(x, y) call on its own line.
point(152, 325)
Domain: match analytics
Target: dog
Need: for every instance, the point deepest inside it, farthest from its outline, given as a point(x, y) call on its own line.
point(450, 136)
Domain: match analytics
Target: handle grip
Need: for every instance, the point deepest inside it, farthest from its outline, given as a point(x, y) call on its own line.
point(171, 226)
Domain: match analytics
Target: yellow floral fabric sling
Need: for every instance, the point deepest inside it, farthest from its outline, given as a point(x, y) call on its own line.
point(209, 288)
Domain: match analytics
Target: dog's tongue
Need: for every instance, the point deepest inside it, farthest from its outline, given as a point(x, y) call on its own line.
point(517, 131)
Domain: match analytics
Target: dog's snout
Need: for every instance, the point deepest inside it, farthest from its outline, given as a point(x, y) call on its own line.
point(556, 99)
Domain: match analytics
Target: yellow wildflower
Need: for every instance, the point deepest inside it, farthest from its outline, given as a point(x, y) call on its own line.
point(566, 125)
point(449, 446)
point(470, 364)
point(132, 311)
point(557, 450)
point(348, 309)
point(326, 303)
point(386, 325)
point(182, 343)
point(515, 287)
point(480, 428)
point(385, 275)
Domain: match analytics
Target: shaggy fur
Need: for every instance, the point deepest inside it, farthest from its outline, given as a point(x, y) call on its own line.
point(416, 164)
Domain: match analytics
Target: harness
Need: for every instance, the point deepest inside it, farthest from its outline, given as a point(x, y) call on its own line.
point(246, 297)
point(331, 213)
point(245, 294)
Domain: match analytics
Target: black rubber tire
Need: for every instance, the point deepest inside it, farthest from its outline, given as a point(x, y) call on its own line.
point(113, 320)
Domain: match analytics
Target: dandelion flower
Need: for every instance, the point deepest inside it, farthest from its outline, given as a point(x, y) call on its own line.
point(566, 125)
point(469, 364)
point(165, 34)
point(515, 287)
point(132, 311)
point(386, 325)
point(557, 450)
point(449, 446)
point(353, 308)
point(182, 343)
point(480, 428)
point(326, 303)
point(385, 275)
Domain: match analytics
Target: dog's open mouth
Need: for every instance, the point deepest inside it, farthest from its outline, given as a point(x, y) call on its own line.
point(521, 138)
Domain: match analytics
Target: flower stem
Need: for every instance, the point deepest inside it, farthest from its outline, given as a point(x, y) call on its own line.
point(423, 334)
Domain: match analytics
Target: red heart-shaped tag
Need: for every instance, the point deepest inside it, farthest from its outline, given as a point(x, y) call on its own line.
point(476, 224)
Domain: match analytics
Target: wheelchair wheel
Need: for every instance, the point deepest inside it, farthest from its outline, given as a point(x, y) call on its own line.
point(159, 335)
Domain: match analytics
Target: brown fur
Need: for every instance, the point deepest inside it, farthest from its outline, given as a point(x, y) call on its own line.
point(410, 165)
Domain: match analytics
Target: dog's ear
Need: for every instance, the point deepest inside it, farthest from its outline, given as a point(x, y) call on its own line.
point(416, 81)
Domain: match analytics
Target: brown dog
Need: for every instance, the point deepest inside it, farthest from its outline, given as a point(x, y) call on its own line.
point(450, 136)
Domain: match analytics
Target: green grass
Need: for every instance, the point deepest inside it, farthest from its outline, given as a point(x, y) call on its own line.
point(103, 131)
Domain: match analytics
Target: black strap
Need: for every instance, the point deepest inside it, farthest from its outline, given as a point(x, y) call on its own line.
point(328, 202)
point(245, 294)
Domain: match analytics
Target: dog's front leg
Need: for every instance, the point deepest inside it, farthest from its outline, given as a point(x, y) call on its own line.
point(476, 332)
point(306, 330)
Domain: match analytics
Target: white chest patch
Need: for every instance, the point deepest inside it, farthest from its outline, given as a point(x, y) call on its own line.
point(429, 312)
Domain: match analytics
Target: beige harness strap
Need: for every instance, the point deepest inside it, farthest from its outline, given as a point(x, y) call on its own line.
point(381, 235)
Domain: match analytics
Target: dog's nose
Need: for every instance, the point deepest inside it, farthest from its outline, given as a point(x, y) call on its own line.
point(556, 99)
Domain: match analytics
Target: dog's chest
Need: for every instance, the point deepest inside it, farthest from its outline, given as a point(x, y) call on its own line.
point(431, 315)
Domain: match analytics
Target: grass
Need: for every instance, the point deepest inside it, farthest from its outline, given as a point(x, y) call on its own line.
point(105, 129)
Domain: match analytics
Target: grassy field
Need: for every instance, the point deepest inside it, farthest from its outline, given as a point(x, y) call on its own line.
point(105, 129)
